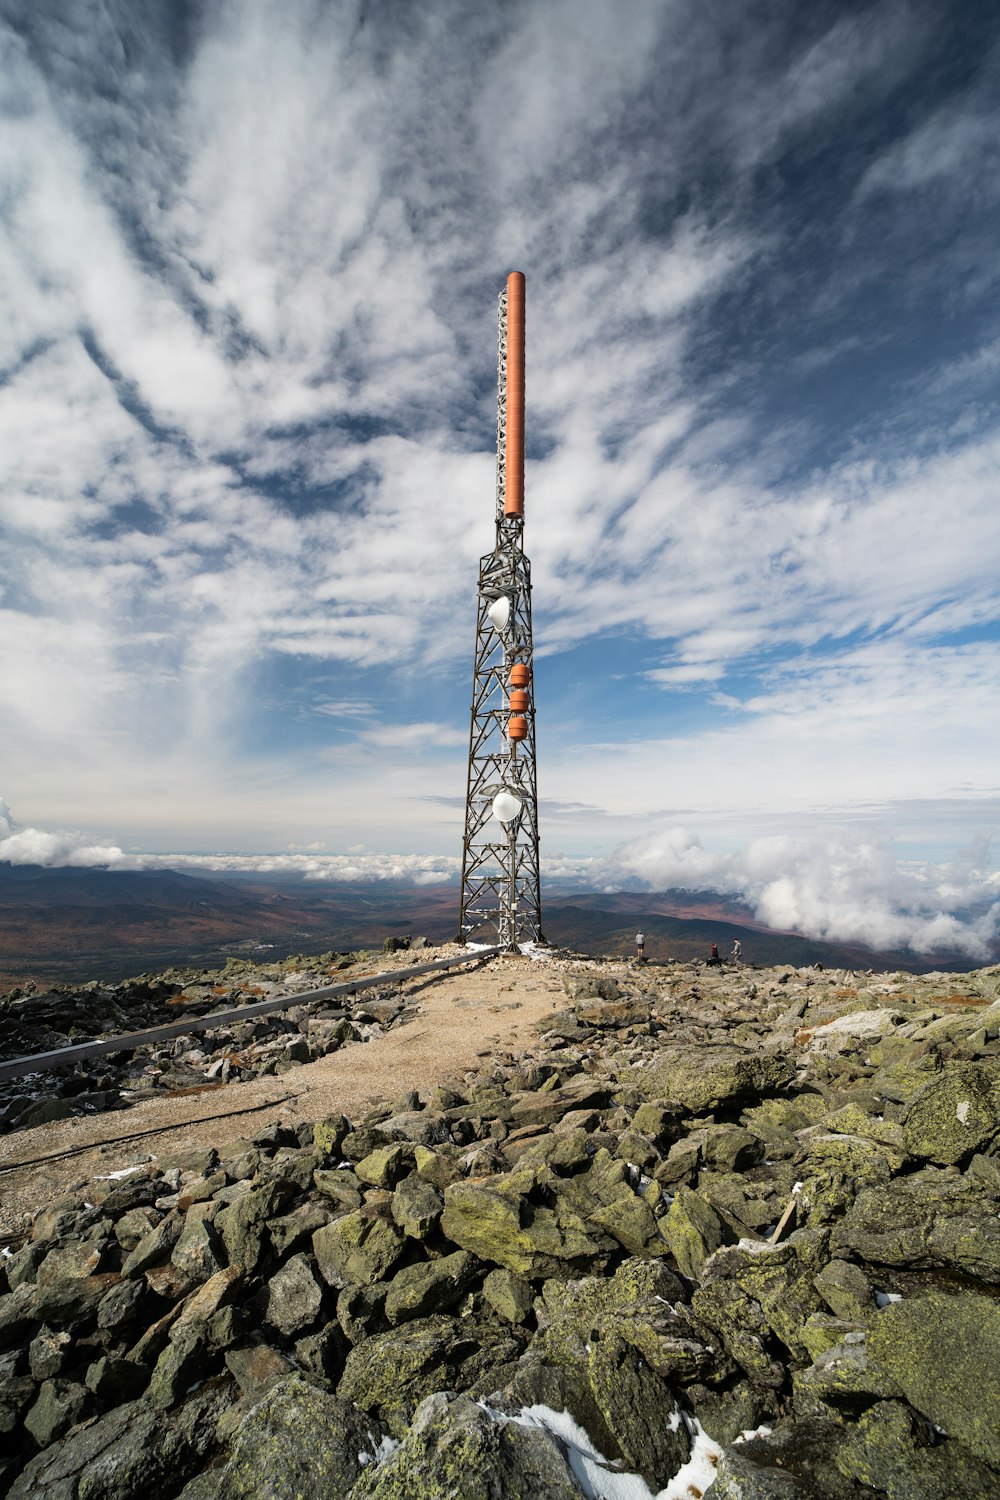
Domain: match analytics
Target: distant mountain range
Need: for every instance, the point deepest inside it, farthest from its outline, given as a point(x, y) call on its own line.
point(72, 925)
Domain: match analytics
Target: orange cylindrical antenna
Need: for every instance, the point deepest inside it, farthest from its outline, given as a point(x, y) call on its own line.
point(513, 488)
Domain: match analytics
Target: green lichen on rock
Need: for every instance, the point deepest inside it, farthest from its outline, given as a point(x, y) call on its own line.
point(835, 1168)
point(430, 1286)
point(703, 1078)
point(841, 1382)
point(456, 1448)
point(385, 1166)
point(358, 1247)
point(521, 1221)
point(633, 1224)
point(298, 1443)
point(753, 1294)
point(953, 1115)
point(846, 1290)
point(944, 1353)
point(925, 1220)
point(416, 1207)
point(693, 1231)
point(329, 1135)
point(391, 1373)
point(509, 1296)
point(775, 1121)
point(638, 1409)
point(888, 1449)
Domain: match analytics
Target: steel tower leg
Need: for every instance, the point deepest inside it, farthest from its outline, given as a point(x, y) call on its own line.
point(501, 896)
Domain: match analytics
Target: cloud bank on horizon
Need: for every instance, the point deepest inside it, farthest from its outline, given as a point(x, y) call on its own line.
point(851, 893)
point(249, 260)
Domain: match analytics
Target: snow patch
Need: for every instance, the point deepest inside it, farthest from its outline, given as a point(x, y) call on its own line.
point(599, 1479)
point(117, 1176)
point(379, 1452)
point(882, 1299)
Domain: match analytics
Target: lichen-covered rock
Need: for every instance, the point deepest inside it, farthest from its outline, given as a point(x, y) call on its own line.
point(845, 1032)
point(293, 1231)
point(416, 1207)
point(852, 1119)
point(924, 1220)
point(622, 1349)
point(846, 1290)
point(521, 1221)
point(739, 1478)
point(775, 1121)
point(754, 1293)
point(177, 1367)
point(293, 1297)
point(297, 1443)
point(509, 1296)
point(954, 1114)
point(693, 1231)
point(48, 1352)
point(329, 1135)
point(457, 1448)
point(360, 1247)
point(243, 1225)
point(390, 1373)
point(198, 1250)
point(889, 1449)
point(756, 1471)
point(59, 1406)
point(154, 1247)
point(203, 1304)
point(133, 1452)
point(944, 1353)
point(638, 1408)
point(430, 1286)
point(385, 1166)
point(436, 1167)
point(613, 1014)
point(821, 1331)
point(841, 1382)
point(631, 1222)
point(703, 1078)
point(256, 1368)
point(835, 1167)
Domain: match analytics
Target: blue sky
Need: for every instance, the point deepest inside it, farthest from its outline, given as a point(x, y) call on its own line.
point(249, 260)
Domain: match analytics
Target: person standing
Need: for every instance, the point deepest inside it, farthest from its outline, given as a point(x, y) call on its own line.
point(640, 945)
point(737, 950)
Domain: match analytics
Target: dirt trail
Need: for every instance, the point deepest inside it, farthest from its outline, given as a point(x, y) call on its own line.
point(461, 1019)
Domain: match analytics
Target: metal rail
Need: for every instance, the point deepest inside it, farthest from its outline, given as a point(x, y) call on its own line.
point(61, 1057)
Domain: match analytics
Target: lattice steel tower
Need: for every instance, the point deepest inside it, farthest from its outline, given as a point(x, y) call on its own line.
point(500, 886)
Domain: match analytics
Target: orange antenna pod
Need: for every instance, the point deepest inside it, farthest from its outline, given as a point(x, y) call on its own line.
point(517, 728)
point(513, 491)
point(520, 675)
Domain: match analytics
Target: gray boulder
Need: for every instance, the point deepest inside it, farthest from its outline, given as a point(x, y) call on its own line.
point(457, 1448)
point(944, 1353)
point(297, 1443)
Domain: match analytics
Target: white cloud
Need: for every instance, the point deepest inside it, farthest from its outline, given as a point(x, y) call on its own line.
point(246, 412)
point(833, 889)
point(33, 846)
point(855, 892)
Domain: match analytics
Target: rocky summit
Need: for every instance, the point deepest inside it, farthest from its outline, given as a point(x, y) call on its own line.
point(742, 1225)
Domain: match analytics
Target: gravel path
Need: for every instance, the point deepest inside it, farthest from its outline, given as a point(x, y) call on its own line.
point(461, 1019)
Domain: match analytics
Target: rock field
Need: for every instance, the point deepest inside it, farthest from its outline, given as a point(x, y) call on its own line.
point(753, 1213)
